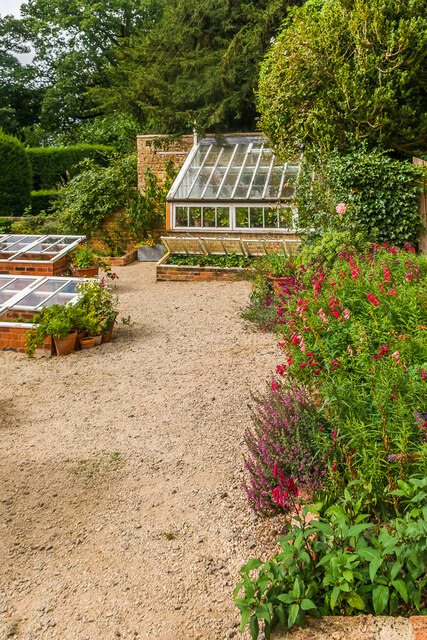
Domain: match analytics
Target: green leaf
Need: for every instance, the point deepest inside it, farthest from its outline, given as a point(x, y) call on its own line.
point(254, 627)
point(358, 528)
point(293, 614)
point(246, 614)
point(254, 563)
point(354, 600)
point(334, 597)
point(307, 604)
point(263, 612)
point(380, 597)
point(323, 527)
point(400, 587)
point(286, 598)
point(348, 575)
point(373, 568)
point(296, 590)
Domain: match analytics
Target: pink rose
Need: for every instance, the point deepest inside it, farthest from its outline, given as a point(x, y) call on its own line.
point(340, 208)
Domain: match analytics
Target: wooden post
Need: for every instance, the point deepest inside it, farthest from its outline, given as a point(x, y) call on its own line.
point(423, 209)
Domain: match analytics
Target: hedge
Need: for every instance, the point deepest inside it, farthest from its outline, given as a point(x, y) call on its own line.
point(15, 176)
point(50, 165)
point(42, 200)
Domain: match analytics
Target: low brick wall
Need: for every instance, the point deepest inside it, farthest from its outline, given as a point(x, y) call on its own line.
point(122, 261)
point(13, 339)
point(172, 272)
point(35, 268)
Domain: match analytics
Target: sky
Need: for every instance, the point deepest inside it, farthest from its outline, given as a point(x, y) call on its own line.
point(11, 7)
point(8, 7)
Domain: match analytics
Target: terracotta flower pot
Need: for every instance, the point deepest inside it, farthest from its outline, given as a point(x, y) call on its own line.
point(89, 272)
point(106, 337)
point(87, 343)
point(80, 335)
point(64, 346)
point(98, 340)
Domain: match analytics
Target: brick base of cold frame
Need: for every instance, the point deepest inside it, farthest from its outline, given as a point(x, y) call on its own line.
point(34, 268)
point(171, 272)
point(13, 339)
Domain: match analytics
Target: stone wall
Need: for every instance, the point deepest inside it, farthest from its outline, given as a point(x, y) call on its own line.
point(173, 272)
point(155, 151)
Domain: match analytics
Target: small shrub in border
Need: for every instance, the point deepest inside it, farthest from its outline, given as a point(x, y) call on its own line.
point(341, 564)
point(289, 449)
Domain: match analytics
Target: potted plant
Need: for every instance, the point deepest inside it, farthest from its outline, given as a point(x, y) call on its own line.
point(84, 262)
point(56, 321)
point(100, 309)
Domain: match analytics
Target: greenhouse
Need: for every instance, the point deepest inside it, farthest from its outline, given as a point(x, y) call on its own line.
point(233, 184)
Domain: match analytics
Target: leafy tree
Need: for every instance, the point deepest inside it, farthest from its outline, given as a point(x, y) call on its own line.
point(20, 97)
point(346, 71)
point(199, 63)
point(74, 43)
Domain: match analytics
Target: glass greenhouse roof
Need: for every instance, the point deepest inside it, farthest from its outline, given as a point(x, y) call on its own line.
point(29, 247)
point(239, 168)
point(32, 293)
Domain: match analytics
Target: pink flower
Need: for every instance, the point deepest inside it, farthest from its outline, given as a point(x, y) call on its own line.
point(340, 208)
point(334, 434)
point(372, 299)
point(396, 355)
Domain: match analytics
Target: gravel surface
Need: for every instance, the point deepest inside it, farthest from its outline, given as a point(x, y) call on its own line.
point(121, 508)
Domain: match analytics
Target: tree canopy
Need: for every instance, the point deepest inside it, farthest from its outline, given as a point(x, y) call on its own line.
point(200, 64)
point(344, 71)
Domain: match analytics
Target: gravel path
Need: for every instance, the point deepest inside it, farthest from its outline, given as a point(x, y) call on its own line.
point(121, 510)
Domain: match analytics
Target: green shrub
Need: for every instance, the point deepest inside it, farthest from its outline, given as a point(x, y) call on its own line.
point(15, 176)
point(380, 194)
point(52, 165)
point(5, 225)
point(341, 564)
point(42, 200)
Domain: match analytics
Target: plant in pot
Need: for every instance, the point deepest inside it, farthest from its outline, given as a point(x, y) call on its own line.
point(94, 327)
point(84, 262)
point(56, 321)
point(97, 300)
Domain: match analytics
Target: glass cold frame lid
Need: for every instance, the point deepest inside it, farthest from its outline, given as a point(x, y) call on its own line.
point(10, 286)
point(241, 168)
point(36, 247)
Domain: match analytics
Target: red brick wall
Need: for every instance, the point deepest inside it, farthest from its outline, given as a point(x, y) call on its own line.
point(174, 272)
point(13, 339)
point(35, 268)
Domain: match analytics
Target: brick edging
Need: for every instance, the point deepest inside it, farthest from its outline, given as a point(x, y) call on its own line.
point(121, 261)
point(173, 272)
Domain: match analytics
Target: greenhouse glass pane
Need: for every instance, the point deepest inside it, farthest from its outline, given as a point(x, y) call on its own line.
point(223, 216)
point(270, 217)
point(195, 216)
point(70, 288)
point(259, 183)
point(208, 216)
point(288, 189)
point(214, 183)
point(274, 183)
point(226, 156)
point(242, 218)
point(229, 182)
point(244, 182)
point(256, 217)
point(21, 284)
point(182, 216)
point(285, 218)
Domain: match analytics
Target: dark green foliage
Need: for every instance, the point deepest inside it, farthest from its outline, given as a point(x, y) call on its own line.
point(15, 176)
point(341, 70)
point(200, 64)
point(381, 195)
point(230, 260)
point(52, 165)
point(96, 193)
point(42, 200)
point(5, 225)
point(341, 564)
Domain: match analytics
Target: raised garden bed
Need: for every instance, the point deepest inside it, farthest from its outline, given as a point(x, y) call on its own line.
point(36, 255)
point(203, 267)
